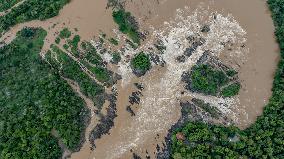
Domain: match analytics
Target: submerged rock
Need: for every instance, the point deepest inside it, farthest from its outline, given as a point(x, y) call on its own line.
point(189, 51)
point(135, 98)
point(106, 122)
point(205, 29)
point(139, 86)
point(128, 108)
point(181, 58)
point(135, 156)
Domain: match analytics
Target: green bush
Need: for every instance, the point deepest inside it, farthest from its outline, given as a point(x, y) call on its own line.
point(116, 58)
point(207, 80)
point(65, 33)
point(28, 32)
point(231, 90)
point(57, 40)
point(141, 63)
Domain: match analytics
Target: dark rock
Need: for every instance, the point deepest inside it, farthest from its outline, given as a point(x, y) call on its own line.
point(155, 58)
point(135, 97)
point(205, 29)
point(128, 108)
point(158, 148)
point(139, 86)
point(135, 156)
point(139, 73)
point(190, 38)
point(188, 51)
point(106, 122)
point(181, 58)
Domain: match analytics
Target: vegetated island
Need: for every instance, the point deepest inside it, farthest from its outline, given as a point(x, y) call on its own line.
point(263, 139)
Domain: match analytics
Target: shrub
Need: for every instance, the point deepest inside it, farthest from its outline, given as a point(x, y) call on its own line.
point(231, 90)
point(127, 24)
point(207, 80)
point(141, 63)
point(65, 33)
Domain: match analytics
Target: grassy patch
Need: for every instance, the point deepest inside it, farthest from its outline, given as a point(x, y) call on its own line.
point(90, 53)
point(74, 43)
point(101, 73)
point(231, 73)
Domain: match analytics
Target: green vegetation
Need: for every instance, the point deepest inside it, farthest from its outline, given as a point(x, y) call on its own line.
point(74, 44)
point(31, 10)
point(116, 58)
point(90, 53)
point(57, 40)
point(65, 33)
point(263, 139)
point(7, 4)
point(71, 69)
point(231, 90)
point(101, 73)
point(207, 141)
point(127, 24)
point(207, 80)
point(231, 73)
point(66, 46)
point(113, 41)
point(141, 63)
point(34, 99)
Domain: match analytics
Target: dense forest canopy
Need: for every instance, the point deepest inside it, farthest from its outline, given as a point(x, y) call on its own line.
point(7, 4)
point(34, 100)
point(31, 10)
point(263, 139)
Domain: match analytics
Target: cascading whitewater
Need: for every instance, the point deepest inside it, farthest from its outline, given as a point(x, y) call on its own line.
point(161, 96)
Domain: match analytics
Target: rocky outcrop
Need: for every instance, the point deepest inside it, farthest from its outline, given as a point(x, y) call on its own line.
point(106, 122)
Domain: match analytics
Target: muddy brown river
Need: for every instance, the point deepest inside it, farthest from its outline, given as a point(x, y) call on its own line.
point(148, 128)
